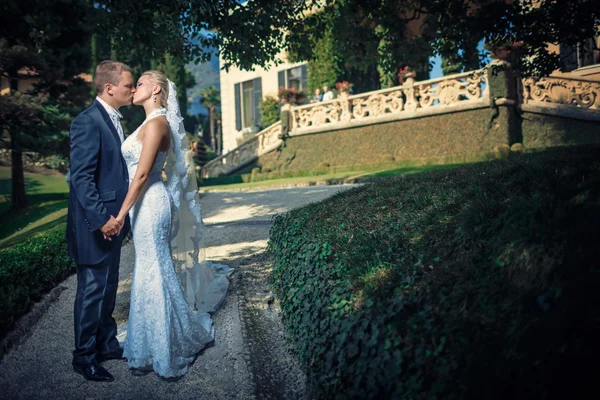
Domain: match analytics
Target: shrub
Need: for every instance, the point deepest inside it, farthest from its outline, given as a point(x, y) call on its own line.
point(269, 111)
point(30, 269)
point(56, 162)
point(469, 283)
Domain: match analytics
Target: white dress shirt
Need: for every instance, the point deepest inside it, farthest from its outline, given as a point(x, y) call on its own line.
point(115, 117)
point(328, 96)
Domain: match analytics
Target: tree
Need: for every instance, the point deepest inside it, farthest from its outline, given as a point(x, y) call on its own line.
point(247, 34)
point(326, 66)
point(370, 38)
point(388, 34)
point(179, 31)
point(459, 25)
point(36, 41)
point(211, 98)
point(451, 65)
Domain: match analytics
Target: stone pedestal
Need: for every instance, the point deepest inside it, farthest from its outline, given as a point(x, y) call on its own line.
point(505, 98)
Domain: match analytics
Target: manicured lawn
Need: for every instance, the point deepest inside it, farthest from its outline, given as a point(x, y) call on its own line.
point(47, 197)
point(337, 177)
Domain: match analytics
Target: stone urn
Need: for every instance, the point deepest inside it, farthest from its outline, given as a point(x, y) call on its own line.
point(501, 53)
point(409, 78)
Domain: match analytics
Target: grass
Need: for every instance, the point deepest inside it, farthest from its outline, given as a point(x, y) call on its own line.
point(471, 282)
point(329, 178)
point(48, 199)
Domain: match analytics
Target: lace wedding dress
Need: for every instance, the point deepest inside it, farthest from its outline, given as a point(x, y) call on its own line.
point(169, 321)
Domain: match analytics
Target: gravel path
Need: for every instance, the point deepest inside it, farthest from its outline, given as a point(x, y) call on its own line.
point(250, 357)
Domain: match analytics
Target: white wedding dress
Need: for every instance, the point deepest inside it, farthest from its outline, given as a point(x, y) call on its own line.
point(164, 332)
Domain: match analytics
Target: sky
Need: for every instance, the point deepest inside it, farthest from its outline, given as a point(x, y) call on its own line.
point(436, 71)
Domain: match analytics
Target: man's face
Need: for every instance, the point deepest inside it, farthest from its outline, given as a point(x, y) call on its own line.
point(326, 88)
point(123, 92)
point(318, 92)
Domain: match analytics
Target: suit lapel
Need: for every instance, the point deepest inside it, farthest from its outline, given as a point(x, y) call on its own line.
point(106, 118)
point(113, 130)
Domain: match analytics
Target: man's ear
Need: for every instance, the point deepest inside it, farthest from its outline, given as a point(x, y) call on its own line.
point(108, 88)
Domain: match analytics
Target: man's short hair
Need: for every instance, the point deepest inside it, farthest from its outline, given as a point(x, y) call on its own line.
point(109, 72)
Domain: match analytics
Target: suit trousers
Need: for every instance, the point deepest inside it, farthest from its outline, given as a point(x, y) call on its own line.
point(95, 328)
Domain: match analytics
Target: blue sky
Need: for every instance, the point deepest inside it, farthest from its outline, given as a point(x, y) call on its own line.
point(436, 71)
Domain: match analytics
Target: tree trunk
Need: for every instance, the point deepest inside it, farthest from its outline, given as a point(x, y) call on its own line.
point(213, 141)
point(471, 56)
point(19, 200)
point(219, 140)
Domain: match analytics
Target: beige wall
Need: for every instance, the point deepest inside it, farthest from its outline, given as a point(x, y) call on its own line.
point(228, 80)
point(25, 84)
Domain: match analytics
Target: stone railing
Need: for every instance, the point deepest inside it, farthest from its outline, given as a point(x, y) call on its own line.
point(559, 91)
point(412, 99)
point(264, 142)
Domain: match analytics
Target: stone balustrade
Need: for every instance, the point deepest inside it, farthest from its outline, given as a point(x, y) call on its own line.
point(264, 142)
point(552, 91)
point(410, 100)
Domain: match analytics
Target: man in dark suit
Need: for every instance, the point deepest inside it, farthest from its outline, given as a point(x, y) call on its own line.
point(98, 185)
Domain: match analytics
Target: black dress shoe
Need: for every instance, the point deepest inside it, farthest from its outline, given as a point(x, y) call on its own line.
point(113, 355)
point(93, 372)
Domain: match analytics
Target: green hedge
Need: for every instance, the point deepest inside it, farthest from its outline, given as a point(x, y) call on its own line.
point(447, 135)
point(30, 269)
point(479, 282)
point(258, 175)
point(547, 130)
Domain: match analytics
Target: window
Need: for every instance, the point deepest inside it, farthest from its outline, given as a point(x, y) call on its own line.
point(247, 95)
point(296, 78)
point(580, 55)
point(247, 104)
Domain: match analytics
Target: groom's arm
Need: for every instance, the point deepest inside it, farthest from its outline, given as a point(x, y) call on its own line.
point(85, 147)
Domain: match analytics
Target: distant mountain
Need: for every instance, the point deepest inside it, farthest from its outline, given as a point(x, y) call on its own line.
point(206, 74)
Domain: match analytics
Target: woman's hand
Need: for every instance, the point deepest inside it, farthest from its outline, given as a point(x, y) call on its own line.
point(121, 221)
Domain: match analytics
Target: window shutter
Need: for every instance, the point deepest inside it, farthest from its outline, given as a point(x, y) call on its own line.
point(238, 107)
point(568, 56)
point(281, 79)
point(304, 76)
point(257, 84)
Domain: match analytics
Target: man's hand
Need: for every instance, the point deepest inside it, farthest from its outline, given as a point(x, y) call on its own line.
point(111, 228)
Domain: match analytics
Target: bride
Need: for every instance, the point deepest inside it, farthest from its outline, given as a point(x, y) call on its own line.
point(173, 287)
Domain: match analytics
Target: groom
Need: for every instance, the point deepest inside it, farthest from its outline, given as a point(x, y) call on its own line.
point(98, 185)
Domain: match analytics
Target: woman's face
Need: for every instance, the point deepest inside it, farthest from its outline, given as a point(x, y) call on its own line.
point(144, 90)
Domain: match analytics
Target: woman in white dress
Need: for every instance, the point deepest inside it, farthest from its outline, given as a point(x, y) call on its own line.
point(173, 288)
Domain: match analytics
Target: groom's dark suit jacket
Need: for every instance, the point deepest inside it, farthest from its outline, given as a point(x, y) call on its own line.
point(98, 185)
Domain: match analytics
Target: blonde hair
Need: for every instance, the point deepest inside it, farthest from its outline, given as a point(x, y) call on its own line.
point(161, 80)
point(108, 71)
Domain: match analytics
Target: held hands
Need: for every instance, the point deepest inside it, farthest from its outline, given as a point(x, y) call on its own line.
point(112, 227)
